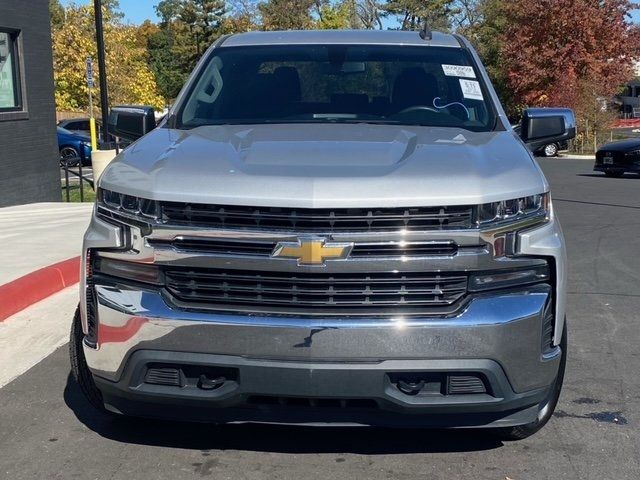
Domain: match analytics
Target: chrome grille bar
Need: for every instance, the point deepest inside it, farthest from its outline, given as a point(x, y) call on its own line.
point(225, 246)
point(317, 220)
point(297, 292)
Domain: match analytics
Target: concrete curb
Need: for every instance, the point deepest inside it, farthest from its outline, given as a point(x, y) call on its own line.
point(35, 286)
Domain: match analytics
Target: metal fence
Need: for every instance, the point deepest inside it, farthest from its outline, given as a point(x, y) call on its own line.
point(73, 167)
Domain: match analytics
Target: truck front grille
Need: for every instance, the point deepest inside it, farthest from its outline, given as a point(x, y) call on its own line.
point(318, 220)
point(308, 293)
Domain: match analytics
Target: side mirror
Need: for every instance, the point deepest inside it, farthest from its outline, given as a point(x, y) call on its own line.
point(131, 121)
point(542, 126)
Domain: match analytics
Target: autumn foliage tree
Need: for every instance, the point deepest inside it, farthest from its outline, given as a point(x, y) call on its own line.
point(567, 52)
point(130, 79)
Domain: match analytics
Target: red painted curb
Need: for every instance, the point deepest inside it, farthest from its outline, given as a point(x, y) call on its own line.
point(35, 286)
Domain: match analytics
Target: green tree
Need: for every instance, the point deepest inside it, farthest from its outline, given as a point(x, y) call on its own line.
point(168, 11)
point(169, 71)
point(286, 14)
point(413, 13)
point(187, 28)
point(130, 79)
point(484, 23)
point(56, 11)
point(337, 16)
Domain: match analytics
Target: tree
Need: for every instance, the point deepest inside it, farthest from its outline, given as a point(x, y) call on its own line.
point(203, 19)
point(370, 13)
point(286, 14)
point(169, 71)
point(186, 29)
point(338, 16)
point(413, 13)
point(556, 52)
point(242, 16)
point(484, 23)
point(130, 79)
point(168, 11)
point(56, 11)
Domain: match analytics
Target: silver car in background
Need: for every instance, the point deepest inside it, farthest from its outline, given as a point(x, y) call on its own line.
point(329, 227)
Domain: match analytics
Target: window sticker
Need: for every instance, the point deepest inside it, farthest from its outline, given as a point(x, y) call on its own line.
point(471, 89)
point(459, 71)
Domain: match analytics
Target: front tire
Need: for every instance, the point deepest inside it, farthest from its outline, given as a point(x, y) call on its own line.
point(614, 173)
point(546, 407)
point(79, 367)
point(69, 156)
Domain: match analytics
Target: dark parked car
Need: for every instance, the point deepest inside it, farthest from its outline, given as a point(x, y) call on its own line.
point(616, 158)
point(546, 150)
point(71, 145)
point(79, 126)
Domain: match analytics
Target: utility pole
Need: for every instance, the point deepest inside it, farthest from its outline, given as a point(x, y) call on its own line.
point(102, 69)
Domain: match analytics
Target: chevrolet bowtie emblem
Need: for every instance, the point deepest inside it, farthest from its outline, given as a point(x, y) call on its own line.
point(313, 251)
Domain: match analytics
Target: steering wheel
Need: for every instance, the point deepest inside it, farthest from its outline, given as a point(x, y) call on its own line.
point(415, 108)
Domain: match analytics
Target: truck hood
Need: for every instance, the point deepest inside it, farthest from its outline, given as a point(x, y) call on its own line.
point(326, 166)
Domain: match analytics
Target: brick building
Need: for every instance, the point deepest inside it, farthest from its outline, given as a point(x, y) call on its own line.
point(29, 169)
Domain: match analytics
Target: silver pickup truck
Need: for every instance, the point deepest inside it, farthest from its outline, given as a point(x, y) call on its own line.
point(328, 227)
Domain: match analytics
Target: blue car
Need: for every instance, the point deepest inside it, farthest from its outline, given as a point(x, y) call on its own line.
point(71, 146)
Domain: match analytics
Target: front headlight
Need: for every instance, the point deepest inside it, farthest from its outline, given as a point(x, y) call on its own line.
point(534, 207)
point(501, 222)
point(128, 204)
point(87, 144)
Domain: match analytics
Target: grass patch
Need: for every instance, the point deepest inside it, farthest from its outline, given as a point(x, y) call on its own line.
point(74, 194)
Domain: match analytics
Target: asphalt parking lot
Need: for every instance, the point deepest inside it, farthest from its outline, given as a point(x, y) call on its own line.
point(48, 431)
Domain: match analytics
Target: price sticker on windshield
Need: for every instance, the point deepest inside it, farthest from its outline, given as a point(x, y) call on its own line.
point(471, 89)
point(464, 71)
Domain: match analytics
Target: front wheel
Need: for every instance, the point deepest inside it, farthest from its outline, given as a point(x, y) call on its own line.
point(69, 157)
point(614, 173)
point(546, 407)
point(550, 150)
point(79, 367)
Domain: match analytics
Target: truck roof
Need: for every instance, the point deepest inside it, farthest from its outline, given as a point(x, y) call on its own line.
point(366, 37)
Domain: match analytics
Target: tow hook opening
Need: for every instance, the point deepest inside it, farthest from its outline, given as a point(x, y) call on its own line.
point(439, 383)
point(202, 377)
point(205, 383)
point(410, 388)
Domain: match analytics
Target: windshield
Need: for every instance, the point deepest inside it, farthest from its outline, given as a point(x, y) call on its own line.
point(387, 84)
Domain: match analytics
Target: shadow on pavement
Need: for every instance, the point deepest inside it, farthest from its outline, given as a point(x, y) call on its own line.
point(273, 438)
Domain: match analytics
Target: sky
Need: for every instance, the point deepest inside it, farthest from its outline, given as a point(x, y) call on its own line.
point(137, 11)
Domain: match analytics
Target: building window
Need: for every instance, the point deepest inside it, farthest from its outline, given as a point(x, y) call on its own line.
point(10, 89)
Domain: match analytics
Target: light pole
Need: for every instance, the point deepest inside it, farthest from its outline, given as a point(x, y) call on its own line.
point(102, 69)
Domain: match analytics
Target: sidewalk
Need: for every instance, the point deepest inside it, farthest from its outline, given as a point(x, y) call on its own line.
point(35, 308)
point(37, 235)
point(30, 335)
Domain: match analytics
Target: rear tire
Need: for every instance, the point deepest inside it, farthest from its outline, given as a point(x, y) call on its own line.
point(546, 407)
point(550, 150)
point(614, 174)
point(79, 367)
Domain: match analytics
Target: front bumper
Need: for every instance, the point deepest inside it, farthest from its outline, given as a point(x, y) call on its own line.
point(339, 393)
point(497, 337)
point(617, 164)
